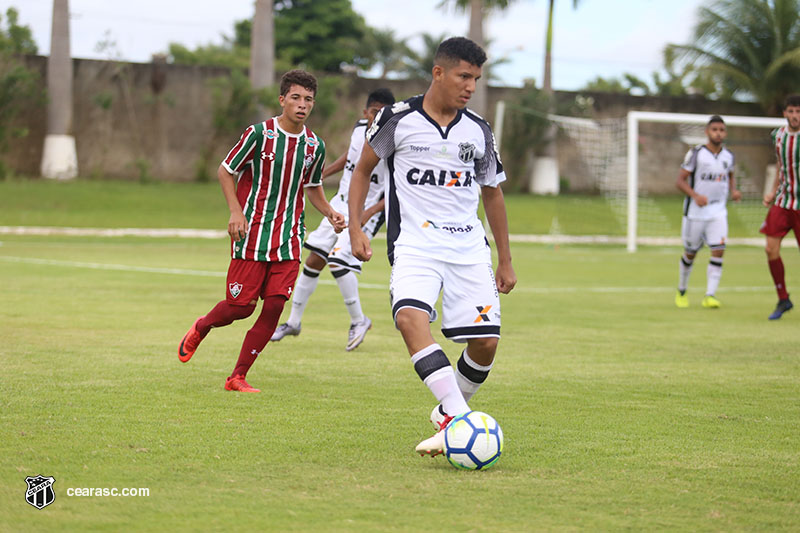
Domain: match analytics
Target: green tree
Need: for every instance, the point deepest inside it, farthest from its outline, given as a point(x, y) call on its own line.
point(750, 47)
point(20, 89)
point(389, 51)
point(319, 35)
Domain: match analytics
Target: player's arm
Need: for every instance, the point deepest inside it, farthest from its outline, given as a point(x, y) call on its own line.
point(335, 167)
point(495, 207)
point(682, 183)
point(372, 210)
point(359, 185)
point(237, 224)
point(318, 200)
point(769, 197)
point(736, 194)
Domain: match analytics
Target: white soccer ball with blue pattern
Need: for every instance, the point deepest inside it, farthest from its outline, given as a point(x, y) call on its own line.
point(473, 441)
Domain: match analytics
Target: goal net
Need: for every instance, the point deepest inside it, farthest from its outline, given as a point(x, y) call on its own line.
point(633, 163)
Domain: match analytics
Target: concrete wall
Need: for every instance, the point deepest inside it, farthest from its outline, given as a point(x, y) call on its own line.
point(137, 121)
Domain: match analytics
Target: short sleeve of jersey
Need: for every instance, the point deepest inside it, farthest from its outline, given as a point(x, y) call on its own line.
point(690, 160)
point(489, 169)
point(380, 135)
point(317, 166)
point(242, 153)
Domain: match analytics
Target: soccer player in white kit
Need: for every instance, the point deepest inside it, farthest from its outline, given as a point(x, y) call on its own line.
point(331, 248)
point(705, 178)
point(442, 160)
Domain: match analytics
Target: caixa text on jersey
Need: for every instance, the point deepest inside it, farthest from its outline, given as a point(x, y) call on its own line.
point(440, 178)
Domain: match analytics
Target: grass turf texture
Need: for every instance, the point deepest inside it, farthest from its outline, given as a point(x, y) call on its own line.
point(619, 410)
point(114, 204)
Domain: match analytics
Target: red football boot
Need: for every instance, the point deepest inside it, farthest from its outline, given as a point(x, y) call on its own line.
point(189, 343)
point(237, 383)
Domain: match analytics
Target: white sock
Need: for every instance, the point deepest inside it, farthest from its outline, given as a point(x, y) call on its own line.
point(348, 286)
point(470, 375)
point(713, 275)
point(685, 270)
point(434, 368)
point(303, 289)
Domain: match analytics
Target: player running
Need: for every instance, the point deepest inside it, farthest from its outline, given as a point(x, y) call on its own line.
point(262, 179)
point(705, 178)
point(327, 247)
point(782, 200)
point(442, 160)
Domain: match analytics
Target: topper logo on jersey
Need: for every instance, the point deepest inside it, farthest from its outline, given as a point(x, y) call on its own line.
point(449, 228)
point(441, 178)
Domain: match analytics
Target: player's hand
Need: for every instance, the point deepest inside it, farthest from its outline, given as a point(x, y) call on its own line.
point(701, 200)
point(237, 226)
point(736, 195)
point(338, 221)
point(768, 199)
point(505, 278)
point(359, 244)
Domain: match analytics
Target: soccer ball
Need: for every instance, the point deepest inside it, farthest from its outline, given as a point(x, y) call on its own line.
point(473, 441)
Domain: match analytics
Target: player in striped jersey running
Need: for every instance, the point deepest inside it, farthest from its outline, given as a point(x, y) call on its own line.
point(262, 179)
point(784, 213)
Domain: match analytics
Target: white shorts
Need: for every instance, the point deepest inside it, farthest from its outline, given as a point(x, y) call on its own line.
point(470, 302)
point(335, 247)
point(713, 232)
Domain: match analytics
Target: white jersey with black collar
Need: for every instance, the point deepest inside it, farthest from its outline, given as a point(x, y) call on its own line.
point(376, 180)
point(434, 178)
point(709, 175)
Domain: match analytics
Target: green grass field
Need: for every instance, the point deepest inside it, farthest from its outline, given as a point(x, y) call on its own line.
point(620, 412)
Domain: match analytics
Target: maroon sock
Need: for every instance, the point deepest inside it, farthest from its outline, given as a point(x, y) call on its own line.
point(259, 334)
point(776, 269)
point(222, 315)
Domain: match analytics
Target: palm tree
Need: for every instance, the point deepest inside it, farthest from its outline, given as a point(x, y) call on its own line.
point(59, 160)
point(477, 12)
point(262, 46)
point(750, 47)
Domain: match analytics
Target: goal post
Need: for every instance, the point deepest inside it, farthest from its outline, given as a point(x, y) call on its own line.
point(634, 118)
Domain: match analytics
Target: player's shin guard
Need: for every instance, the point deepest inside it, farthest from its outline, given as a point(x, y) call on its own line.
point(303, 289)
point(258, 336)
point(470, 375)
point(348, 286)
point(713, 275)
point(435, 371)
point(684, 271)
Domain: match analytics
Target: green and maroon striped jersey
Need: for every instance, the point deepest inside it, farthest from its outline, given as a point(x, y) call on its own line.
point(787, 149)
point(273, 166)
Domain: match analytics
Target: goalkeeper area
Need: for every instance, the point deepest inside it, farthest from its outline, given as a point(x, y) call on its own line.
point(633, 163)
point(619, 410)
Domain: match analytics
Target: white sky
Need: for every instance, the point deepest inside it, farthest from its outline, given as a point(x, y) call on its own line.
point(600, 37)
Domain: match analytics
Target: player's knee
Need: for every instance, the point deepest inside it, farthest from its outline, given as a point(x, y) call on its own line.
point(482, 348)
point(243, 311)
point(316, 262)
point(274, 304)
point(409, 320)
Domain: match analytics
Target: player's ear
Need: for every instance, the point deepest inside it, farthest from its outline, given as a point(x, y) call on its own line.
point(438, 72)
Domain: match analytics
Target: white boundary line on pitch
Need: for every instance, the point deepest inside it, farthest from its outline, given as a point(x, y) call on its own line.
point(214, 274)
point(188, 233)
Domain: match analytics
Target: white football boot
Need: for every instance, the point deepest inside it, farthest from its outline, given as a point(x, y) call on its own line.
point(434, 445)
point(357, 333)
point(437, 416)
point(285, 329)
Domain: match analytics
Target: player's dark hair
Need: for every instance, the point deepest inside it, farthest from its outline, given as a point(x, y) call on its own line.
point(792, 100)
point(298, 77)
point(381, 96)
point(454, 49)
point(715, 118)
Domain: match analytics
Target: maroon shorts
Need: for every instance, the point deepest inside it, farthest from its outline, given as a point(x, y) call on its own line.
point(251, 280)
point(779, 221)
